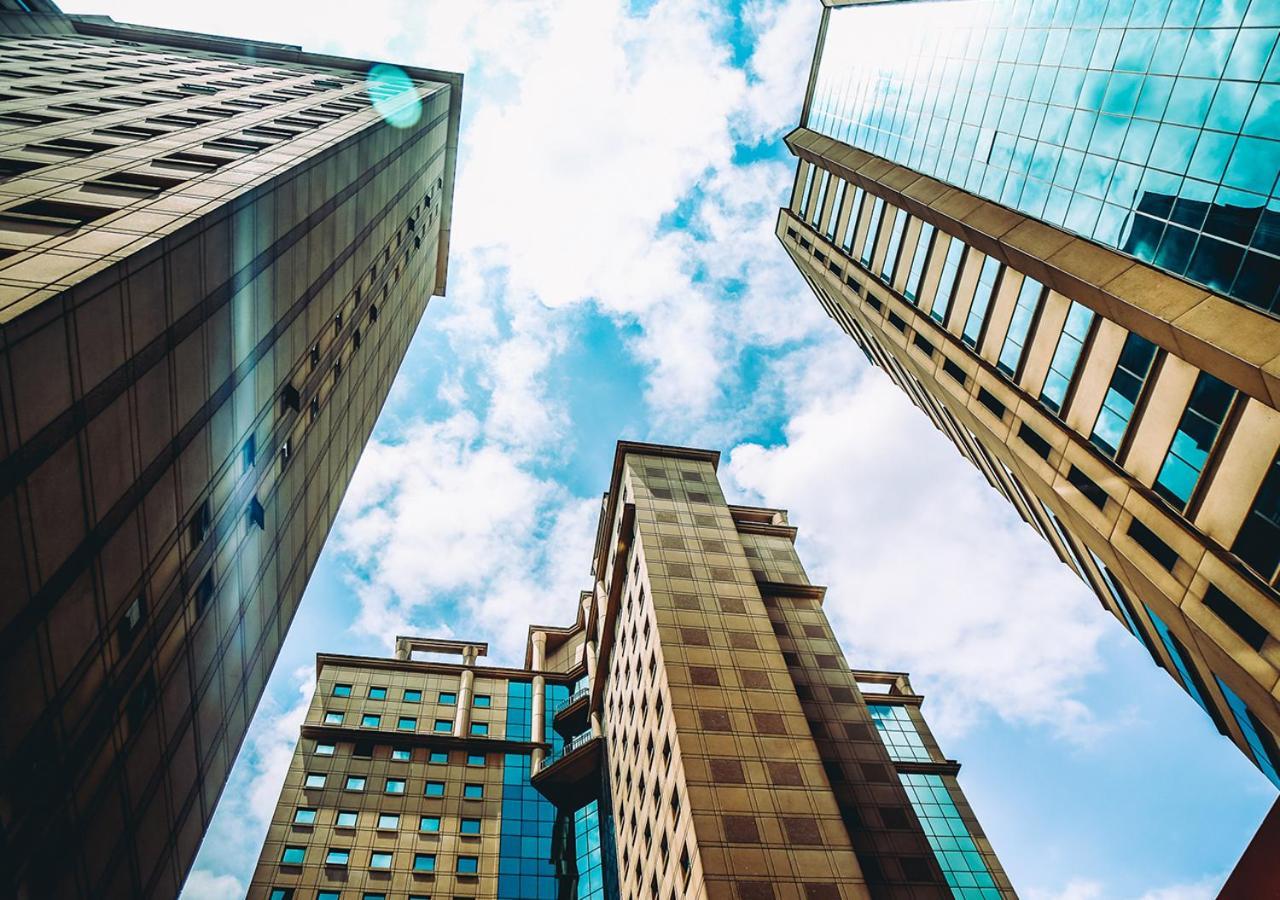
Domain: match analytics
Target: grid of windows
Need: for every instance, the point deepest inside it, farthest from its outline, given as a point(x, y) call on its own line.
point(1194, 439)
point(1261, 744)
point(1066, 356)
point(590, 860)
point(958, 856)
point(1130, 376)
point(524, 844)
point(898, 733)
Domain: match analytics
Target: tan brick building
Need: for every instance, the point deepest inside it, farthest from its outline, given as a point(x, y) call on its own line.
point(1027, 217)
point(696, 732)
point(213, 255)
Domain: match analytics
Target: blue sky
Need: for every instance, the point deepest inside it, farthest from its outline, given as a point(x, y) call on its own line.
point(614, 274)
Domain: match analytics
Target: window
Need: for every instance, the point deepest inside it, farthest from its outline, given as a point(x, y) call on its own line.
point(362, 750)
point(401, 754)
point(394, 786)
point(314, 780)
point(1033, 440)
point(412, 696)
point(1261, 744)
point(377, 693)
point(254, 513)
point(475, 759)
point(822, 198)
point(281, 894)
point(346, 819)
point(855, 210)
point(355, 783)
point(448, 698)
point(130, 622)
point(836, 203)
point(898, 732)
point(991, 402)
point(249, 452)
point(947, 282)
point(407, 723)
point(1092, 491)
point(328, 895)
point(304, 816)
point(424, 862)
point(333, 718)
point(293, 856)
point(873, 229)
point(981, 301)
point(1066, 357)
point(472, 791)
point(54, 215)
point(470, 826)
point(342, 690)
point(808, 187)
point(336, 857)
point(890, 265)
point(438, 756)
point(468, 865)
point(379, 860)
point(1025, 311)
point(434, 789)
point(480, 728)
point(373, 895)
point(442, 725)
point(1121, 600)
point(1193, 441)
point(1244, 625)
point(1148, 540)
point(1258, 542)
point(952, 369)
point(1186, 672)
point(368, 720)
point(324, 749)
point(1127, 382)
point(429, 824)
point(919, 258)
point(388, 821)
point(481, 701)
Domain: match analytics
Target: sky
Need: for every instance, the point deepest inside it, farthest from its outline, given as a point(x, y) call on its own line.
point(613, 274)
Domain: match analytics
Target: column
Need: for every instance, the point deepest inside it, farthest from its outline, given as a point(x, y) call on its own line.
point(538, 662)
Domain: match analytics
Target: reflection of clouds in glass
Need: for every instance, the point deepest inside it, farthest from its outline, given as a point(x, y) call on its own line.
point(394, 96)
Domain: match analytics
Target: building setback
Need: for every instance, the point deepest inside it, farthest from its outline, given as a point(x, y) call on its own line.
point(213, 254)
point(696, 732)
point(1053, 226)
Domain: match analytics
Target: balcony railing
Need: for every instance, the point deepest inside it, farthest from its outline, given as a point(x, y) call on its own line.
point(574, 743)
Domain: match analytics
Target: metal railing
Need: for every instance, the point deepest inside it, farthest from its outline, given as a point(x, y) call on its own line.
point(569, 746)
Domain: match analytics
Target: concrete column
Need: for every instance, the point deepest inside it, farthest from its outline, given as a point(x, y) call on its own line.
point(402, 649)
point(597, 729)
point(466, 690)
point(589, 655)
point(538, 659)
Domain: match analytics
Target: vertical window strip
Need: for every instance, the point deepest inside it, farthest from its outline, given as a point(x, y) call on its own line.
point(1173, 647)
point(947, 283)
point(981, 301)
point(1024, 313)
point(1120, 598)
point(898, 731)
point(957, 853)
point(808, 186)
point(873, 230)
point(1258, 542)
point(1066, 542)
point(889, 268)
point(1118, 404)
point(835, 209)
point(1261, 745)
point(1066, 357)
point(822, 198)
point(919, 258)
point(1193, 441)
point(855, 211)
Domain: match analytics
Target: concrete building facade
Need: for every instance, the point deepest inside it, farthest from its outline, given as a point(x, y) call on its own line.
point(695, 732)
point(1053, 226)
point(213, 255)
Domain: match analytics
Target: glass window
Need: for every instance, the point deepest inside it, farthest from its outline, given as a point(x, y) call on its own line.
point(1186, 671)
point(808, 186)
point(1258, 542)
point(346, 818)
point(373, 895)
point(480, 728)
point(890, 265)
point(1127, 382)
point(328, 895)
point(836, 203)
point(424, 862)
point(370, 721)
point(293, 856)
point(443, 726)
point(822, 198)
point(438, 756)
point(304, 816)
point(324, 749)
point(468, 865)
point(947, 283)
point(480, 701)
point(337, 857)
point(981, 301)
point(333, 718)
point(429, 823)
point(475, 759)
point(1261, 744)
point(1197, 431)
point(355, 782)
point(411, 696)
point(851, 226)
point(401, 754)
point(379, 860)
point(314, 780)
point(948, 835)
point(919, 259)
point(407, 723)
point(434, 789)
point(342, 690)
point(873, 229)
point(898, 731)
point(377, 693)
point(1024, 313)
point(394, 786)
point(388, 821)
point(473, 791)
point(281, 894)
point(1066, 357)
point(448, 698)
point(470, 826)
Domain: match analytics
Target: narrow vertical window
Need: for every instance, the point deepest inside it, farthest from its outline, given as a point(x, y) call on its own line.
point(890, 265)
point(1193, 441)
point(1118, 404)
point(808, 186)
point(1261, 744)
point(835, 210)
point(981, 301)
point(1066, 357)
point(1121, 600)
point(1024, 313)
point(851, 227)
point(1186, 673)
point(919, 259)
point(947, 283)
point(873, 230)
point(1258, 542)
point(822, 198)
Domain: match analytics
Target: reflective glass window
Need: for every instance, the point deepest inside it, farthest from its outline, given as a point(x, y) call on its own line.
point(303, 816)
point(1186, 671)
point(889, 268)
point(957, 853)
point(1261, 744)
point(424, 862)
point(1066, 356)
point(873, 230)
point(1194, 439)
point(901, 739)
point(851, 226)
point(981, 301)
point(836, 204)
point(1121, 398)
point(337, 857)
point(346, 819)
point(1258, 542)
point(947, 283)
point(919, 258)
point(822, 198)
point(1024, 313)
point(429, 823)
point(293, 856)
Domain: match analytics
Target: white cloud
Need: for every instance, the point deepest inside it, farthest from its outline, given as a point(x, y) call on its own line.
point(929, 570)
point(1087, 889)
point(204, 885)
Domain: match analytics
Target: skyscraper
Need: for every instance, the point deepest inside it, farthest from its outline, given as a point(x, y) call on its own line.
point(1053, 224)
point(695, 732)
point(213, 254)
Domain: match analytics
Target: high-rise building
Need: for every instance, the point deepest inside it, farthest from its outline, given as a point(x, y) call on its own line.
point(1053, 224)
point(695, 732)
point(213, 254)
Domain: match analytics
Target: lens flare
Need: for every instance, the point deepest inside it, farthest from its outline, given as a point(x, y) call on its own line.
point(394, 95)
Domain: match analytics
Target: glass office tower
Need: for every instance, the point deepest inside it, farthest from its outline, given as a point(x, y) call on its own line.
point(213, 255)
point(1053, 223)
point(694, 733)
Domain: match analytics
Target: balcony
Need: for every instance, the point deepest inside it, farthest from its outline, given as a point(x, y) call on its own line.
point(572, 776)
point(571, 718)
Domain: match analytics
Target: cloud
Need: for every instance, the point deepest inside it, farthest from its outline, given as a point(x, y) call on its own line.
point(1086, 889)
point(929, 570)
point(204, 885)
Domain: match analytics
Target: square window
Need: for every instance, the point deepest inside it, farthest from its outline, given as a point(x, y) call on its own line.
point(473, 791)
point(328, 895)
point(476, 759)
point(333, 718)
point(448, 698)
point(346, 819)
point(401, 754)
point(293, 856)
point(388, 821)
point(480, 728)
point(370, 721)
point(342, 690)
point(337, 857)
point(468, 865)
point(281, 894)
point(442, 725)
point(434, 789)
point(314, 780)
point(355, 782)
point(470, 826)
point(377, 693)
point(371, 895)
point(362, 750)
point(407, 723)
point(430, 824)
point(481, 701)
point(379, 860)
point(395, 786)
point(438, 756)
point(304, 816)
point(412, 696)
point(424, 862)
point(324, 749)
